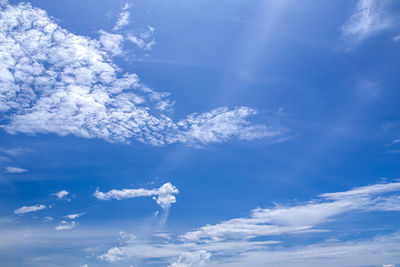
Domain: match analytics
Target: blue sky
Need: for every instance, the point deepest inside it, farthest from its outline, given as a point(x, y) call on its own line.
point(209, 133)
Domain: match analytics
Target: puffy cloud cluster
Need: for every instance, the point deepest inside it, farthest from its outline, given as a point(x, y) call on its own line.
point(189, 259)
point(61, 194)
point(164, 196)
point(54, 81)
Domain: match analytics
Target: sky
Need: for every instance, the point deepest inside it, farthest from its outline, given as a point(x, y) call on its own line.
point(199, 133)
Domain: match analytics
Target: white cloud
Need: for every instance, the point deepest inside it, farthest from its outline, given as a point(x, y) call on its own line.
point(112, 43)
point(164, 195)
point(15, 170)
point(233, 244)
point(369, 18)
point(27, 209)
point(396, 38)
point(65, 226)
point(189, 259)
point(53, 81)
point(74, 216)
point(301, 218)
point(123, 18)
point(61, 194)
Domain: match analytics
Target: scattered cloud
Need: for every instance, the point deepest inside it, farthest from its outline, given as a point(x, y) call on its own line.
point(396, 38)
point(370, 17)
point(74, 216)
point(189, 259)
point(64, 225)
point(53, 81)
point(61, 194)
point(164, 196)
point(27, 209)
point(15, 170)
point(123, 18)
point(235, 242)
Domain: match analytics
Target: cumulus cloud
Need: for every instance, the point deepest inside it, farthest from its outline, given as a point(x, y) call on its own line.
point(54, 81)
point(189, 259)
point(123, 18)
point(65, 226)
point(164, 196)
point(369, 18)
point(27, 209)
point(61, 194)
point(15, 170)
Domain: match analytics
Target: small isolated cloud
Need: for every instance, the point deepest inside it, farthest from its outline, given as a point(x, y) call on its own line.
point(396, 38)
point(74, 216)
point(61, 194)
point(123, 18)
point(15, 170)
point(27, 209)
point(370, 17)
point(164, 196)
point(191, 259)
point(64, 225)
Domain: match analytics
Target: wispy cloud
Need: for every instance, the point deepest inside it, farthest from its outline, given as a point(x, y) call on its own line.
point(15, 170)
point(64, 225)
point(28, 209)
point(164, 196)
point(59, 82)
point(123, 17)
point(370, 17)
point(302, 218)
